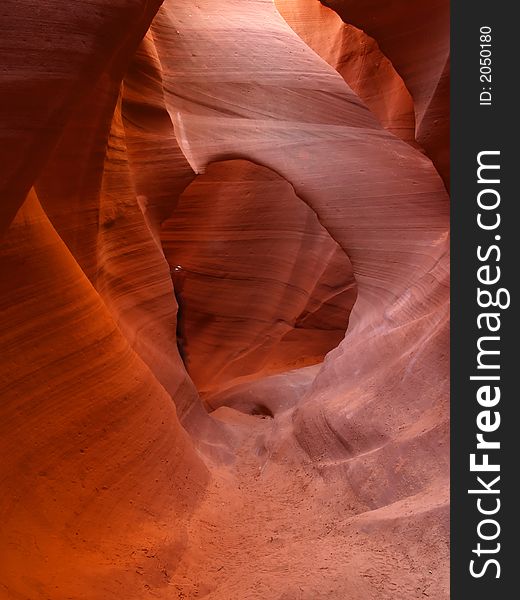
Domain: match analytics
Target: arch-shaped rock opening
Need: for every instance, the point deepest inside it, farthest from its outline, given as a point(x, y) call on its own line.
point(261, 285)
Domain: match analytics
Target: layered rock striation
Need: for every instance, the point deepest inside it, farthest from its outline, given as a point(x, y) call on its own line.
point(224, 300)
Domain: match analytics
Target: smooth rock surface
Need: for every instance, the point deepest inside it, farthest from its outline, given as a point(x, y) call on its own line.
point(262, 287)
point(210, 453)
point(415, 37)
point(358, 59)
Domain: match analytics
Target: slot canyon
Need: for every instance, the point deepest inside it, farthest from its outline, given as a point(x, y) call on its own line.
point(224, 273)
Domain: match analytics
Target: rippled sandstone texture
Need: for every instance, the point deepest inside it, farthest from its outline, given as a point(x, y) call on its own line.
point(358, 59)
point(415, 37)
point(140, 137)
point(261, 284)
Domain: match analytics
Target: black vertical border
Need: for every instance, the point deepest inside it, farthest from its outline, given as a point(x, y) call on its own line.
point(475, 128)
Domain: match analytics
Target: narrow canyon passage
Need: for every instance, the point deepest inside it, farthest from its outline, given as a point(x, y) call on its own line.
point(224, 303)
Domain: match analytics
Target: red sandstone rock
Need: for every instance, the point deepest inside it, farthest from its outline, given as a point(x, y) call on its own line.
point(415, 36)
point(262, 286)
point(95, 465)
point(41, 87)
point(358, 59)
point(159, 169)
point(335, 482)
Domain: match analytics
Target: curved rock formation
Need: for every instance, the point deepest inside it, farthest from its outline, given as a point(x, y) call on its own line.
point(159, 169)
point(262, 286)
point(192, 206)
point(358, 59)
point(35, 37)
point(415, 36)
point(90, 439)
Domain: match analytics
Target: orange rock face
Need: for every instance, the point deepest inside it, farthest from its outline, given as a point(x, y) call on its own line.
point(224, 301)
point(90, 439)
